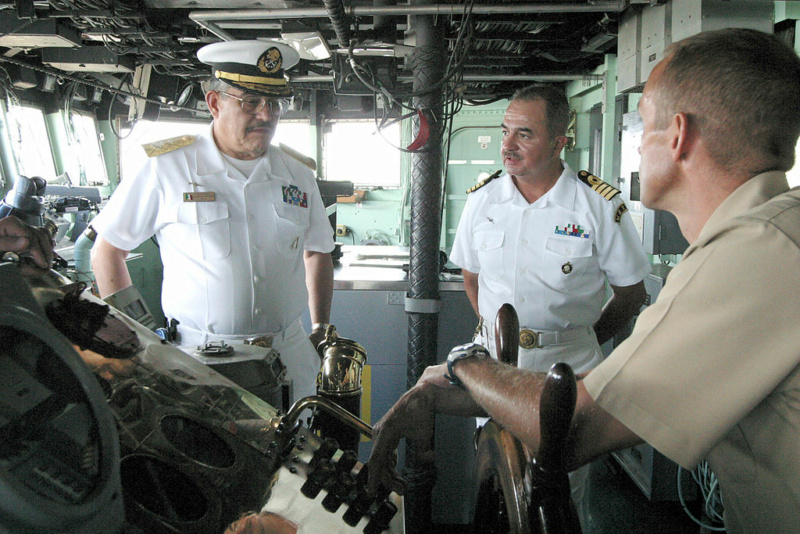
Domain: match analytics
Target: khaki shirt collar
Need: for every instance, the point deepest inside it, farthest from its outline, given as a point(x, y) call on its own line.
point(754, 192)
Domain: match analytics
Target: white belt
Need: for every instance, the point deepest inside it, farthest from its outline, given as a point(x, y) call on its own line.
point(532, 339)
point(190, 336)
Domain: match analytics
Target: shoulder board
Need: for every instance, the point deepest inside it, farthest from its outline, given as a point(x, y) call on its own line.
point(302, 158)
point(167, 145)
point(605, 190)
point(484, 182)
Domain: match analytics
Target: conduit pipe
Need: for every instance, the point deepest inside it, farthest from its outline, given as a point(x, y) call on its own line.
point(324, 78)
point(208, 19)
point(335, 11)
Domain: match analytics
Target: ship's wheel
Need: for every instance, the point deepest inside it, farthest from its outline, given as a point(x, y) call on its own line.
point(501, 503)
point(517, 492)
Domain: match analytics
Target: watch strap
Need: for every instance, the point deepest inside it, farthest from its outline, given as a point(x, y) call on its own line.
point(451, 376)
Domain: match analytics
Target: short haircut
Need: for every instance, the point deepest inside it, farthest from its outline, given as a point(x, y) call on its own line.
point(556, 106)
point(741, 88)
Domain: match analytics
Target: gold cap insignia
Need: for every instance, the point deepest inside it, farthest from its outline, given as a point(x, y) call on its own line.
point(270, 61)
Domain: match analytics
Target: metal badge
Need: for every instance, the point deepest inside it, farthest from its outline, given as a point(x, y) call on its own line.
point(566, 268)
point(528, 339)
point(216, 349)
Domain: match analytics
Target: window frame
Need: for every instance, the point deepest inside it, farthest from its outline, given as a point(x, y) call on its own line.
point(13, 124)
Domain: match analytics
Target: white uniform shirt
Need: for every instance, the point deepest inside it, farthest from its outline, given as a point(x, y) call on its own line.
point(232, 248)
point(549, 259)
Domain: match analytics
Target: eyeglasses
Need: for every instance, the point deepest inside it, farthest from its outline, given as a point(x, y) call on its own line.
point(251, 105)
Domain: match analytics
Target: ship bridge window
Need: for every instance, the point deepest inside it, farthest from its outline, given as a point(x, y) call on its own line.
point(84, 161)
point(355, 151)
point(296, 134)
point(28, 133)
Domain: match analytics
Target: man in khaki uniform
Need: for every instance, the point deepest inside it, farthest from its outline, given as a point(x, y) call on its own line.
point(712, 369)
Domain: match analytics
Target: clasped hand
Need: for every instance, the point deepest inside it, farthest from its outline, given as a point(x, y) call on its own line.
point(412, 417)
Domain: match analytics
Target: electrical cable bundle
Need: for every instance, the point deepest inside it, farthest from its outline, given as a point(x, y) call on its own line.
point(132, 32)
point(710, 492)
point(450, 82)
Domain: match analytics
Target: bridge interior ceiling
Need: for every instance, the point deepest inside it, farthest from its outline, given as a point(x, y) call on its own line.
point(492, 47)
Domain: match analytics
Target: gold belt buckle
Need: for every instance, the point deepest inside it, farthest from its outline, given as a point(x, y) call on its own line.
point(260, 341)
point(528, 339)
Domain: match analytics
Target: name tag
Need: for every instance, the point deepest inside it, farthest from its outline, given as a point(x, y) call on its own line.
point(206, 196)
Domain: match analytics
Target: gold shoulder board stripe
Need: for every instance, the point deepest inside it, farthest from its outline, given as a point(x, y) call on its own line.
point(484, 182)
point(605, 190)
point(167, 145)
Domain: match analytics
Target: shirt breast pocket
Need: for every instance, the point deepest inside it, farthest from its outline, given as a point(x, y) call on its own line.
point(566, 260)
point(489, 247)
point(208, 228)
point(291, 223)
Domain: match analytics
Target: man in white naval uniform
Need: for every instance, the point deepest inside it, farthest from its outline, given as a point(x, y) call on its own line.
point(241, 227)
point(546, 240)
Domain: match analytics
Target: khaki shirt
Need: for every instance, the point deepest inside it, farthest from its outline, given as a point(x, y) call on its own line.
point(711, 369)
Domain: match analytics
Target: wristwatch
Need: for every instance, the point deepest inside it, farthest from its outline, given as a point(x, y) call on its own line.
point(462, 352)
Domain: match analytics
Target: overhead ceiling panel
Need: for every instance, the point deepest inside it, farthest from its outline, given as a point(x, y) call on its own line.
point(87, 59)
point(15, 33)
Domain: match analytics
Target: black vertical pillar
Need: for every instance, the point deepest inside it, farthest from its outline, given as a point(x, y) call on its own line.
point(422, 303)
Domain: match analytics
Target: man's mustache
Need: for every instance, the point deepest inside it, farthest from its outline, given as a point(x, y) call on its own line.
point(260, 125)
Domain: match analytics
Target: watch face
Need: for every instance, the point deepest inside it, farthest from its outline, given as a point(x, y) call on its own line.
point(469, 350)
